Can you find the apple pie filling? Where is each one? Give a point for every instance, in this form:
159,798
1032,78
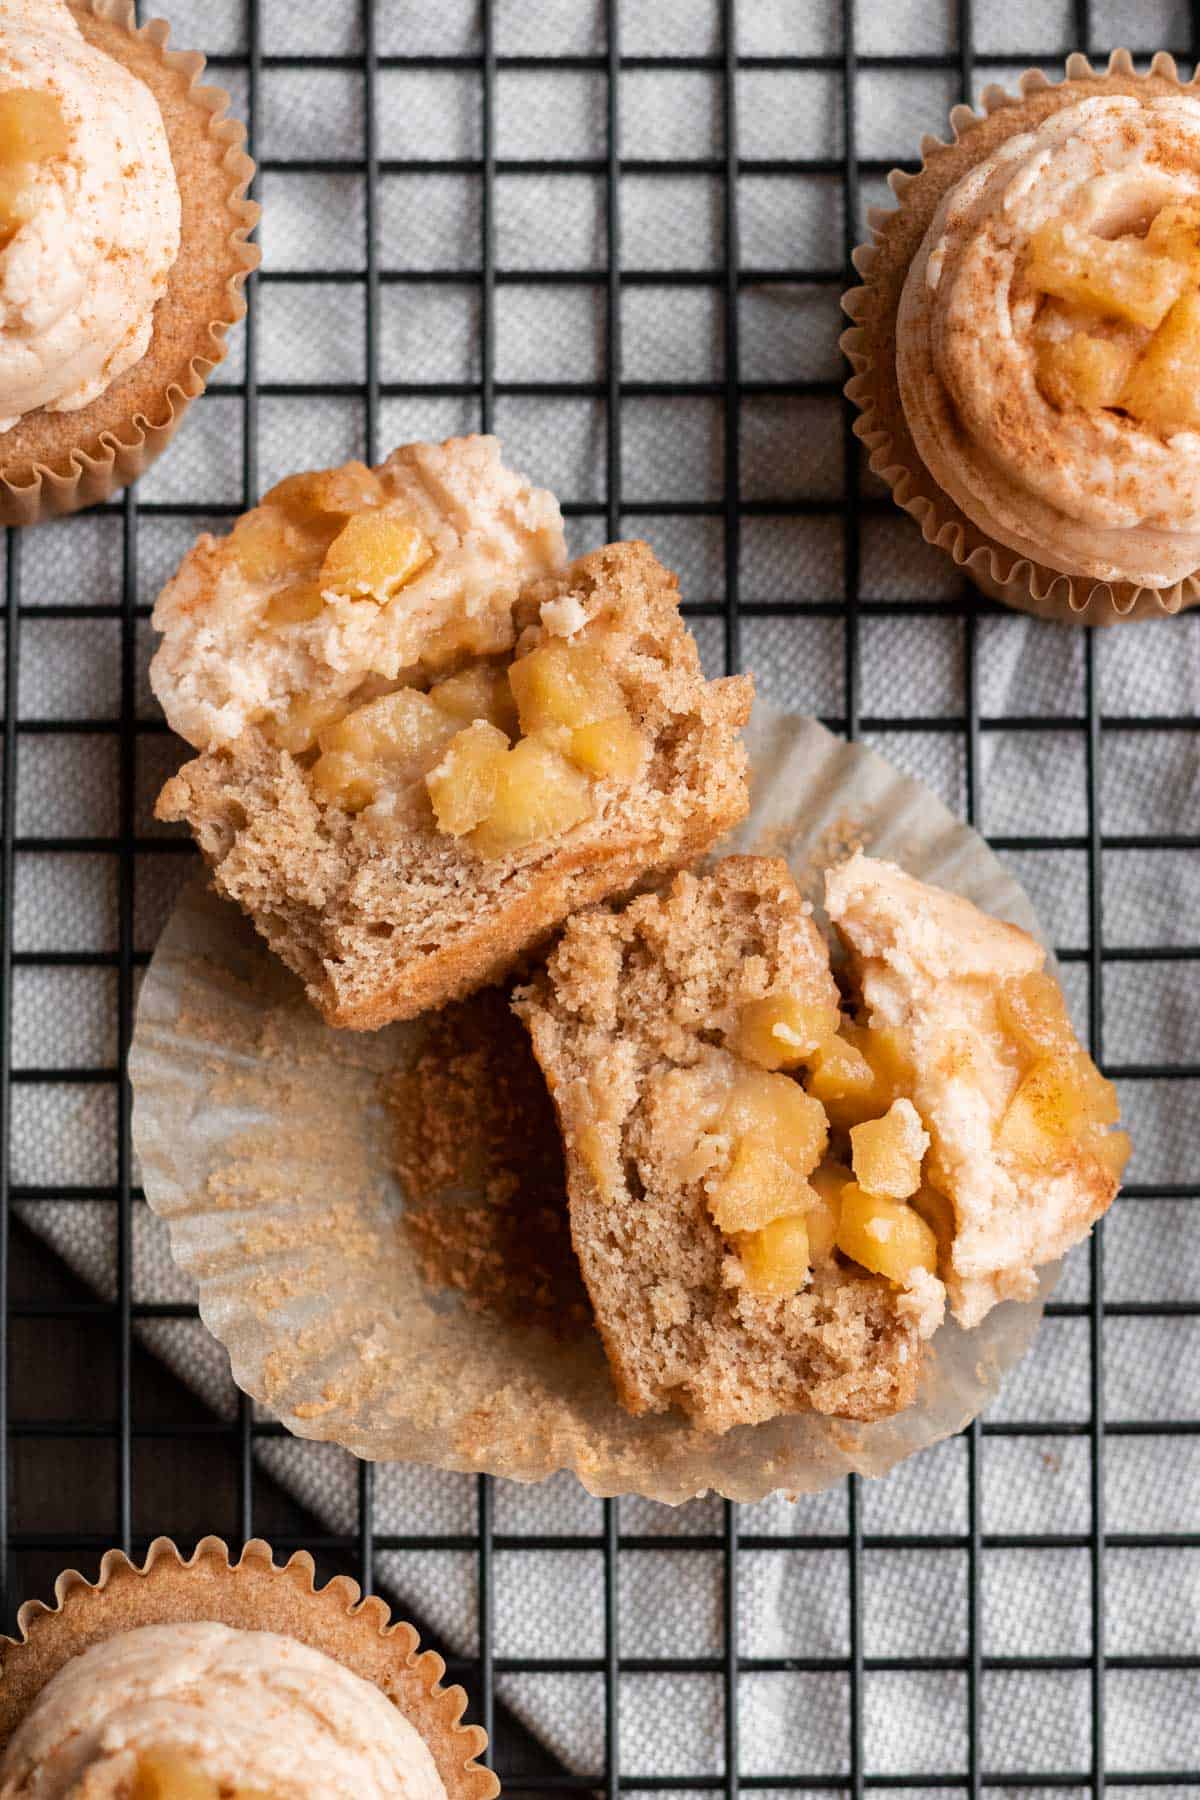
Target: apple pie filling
501,751
1118,325
33,131
810,1147
164,1775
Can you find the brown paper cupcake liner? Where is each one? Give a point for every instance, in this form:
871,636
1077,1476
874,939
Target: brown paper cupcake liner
869,345
255,1594
55,463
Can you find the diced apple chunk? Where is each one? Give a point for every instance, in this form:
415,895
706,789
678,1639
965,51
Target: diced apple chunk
32,131
1175,232
342,780
337,492
844,1082
373,556
267,546
296,730
610,749
825,1209
538,796
480,691
888,1053
1119,277
887,1152
758,1186
1113,1149
564,684
295,604
1058,1100
857,1074
16,202
462,786
777,1108
775,1259
937,1210
1163,390
885,1236
388,743
32,126
164,1775
781,1031
1031,1009
1083,370
401,728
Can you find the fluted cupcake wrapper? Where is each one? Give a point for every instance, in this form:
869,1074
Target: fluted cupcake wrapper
869,345
253,1593
56,463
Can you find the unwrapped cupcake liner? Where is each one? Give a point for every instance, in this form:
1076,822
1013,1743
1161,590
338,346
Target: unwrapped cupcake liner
266,1144
869,345
120,445
253,1593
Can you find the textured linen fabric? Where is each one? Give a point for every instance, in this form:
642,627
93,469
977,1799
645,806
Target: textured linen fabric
1031,782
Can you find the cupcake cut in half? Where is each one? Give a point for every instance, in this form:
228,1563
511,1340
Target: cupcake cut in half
424,741
776,1183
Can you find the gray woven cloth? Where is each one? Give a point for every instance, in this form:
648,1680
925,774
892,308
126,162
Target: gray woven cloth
1035,1602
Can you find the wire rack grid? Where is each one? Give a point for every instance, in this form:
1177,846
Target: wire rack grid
107,1475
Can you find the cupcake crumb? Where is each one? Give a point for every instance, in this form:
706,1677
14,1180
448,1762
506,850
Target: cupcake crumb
477,1150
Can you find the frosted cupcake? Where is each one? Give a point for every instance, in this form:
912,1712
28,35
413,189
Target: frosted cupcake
200,1680
1027,343
123,250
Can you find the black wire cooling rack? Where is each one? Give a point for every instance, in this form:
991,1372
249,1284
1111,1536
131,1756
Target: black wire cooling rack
112,1448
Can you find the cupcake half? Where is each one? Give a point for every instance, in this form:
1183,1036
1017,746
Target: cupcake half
778,1183
123,248
424,741
1026,343
206,1680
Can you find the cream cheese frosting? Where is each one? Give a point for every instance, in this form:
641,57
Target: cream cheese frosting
249,1709
222,665
929,963
1098,493
80,279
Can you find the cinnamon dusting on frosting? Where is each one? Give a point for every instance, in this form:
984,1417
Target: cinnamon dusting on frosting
1061,449
80,278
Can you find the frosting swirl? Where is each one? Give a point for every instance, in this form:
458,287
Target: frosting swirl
249,1709
1093,491
80,279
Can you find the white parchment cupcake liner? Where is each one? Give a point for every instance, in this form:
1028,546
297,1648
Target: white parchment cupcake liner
265,1144
869,346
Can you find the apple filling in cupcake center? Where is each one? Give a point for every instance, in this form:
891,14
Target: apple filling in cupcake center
812,1148
33,132
502,752
1119,326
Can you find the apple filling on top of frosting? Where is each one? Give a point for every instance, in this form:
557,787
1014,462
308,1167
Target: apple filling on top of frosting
1120,324
163,1775
33,131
